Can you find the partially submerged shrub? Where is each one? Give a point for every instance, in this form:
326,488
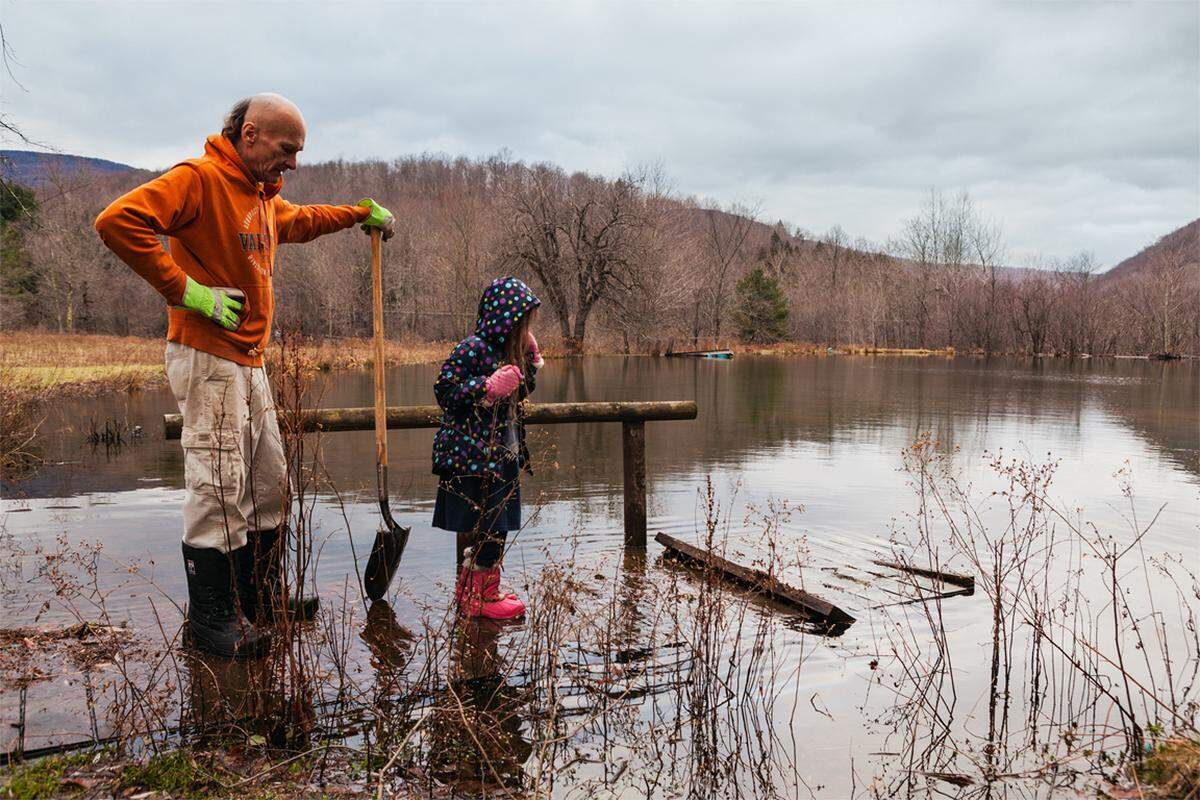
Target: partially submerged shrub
20,417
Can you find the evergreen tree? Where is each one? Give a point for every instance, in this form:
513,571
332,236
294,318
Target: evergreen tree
762,312
16,202
18,279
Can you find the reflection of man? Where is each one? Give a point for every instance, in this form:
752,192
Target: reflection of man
224,218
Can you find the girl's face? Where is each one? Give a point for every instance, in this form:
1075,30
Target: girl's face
529,326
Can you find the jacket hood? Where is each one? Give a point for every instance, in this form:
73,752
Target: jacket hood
502,305
222,151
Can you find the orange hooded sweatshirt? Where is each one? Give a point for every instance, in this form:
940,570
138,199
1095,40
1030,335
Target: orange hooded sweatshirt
223,230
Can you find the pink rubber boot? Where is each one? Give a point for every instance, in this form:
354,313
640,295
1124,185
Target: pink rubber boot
479,595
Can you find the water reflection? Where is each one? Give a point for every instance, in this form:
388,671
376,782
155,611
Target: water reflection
390,642
749,409
824,433
230,699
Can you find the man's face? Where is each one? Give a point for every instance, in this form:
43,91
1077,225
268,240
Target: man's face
269,148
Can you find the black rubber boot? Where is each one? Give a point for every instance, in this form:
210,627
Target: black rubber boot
260,573
214,621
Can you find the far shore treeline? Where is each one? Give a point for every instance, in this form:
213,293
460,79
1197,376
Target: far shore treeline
621,264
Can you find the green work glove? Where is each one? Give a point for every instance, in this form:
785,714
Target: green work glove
380,218
215,304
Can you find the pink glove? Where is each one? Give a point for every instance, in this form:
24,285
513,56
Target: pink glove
503,382
535,354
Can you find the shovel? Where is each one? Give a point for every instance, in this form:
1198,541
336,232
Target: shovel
391,538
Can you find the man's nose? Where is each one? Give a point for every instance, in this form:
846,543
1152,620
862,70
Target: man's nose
290,163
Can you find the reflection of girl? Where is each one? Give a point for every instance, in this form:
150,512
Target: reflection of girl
480,447
478,719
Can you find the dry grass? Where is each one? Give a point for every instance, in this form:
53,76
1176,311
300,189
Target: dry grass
37,362
897,351
1170,769
360,353
54,364
810,349
34,349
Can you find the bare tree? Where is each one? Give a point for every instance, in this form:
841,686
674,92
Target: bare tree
463,248
603,227
779,255
953,253
537,208
985,245
1166,298
7,124
1077,305
724,241
920,243
1032,310
579,236
834,252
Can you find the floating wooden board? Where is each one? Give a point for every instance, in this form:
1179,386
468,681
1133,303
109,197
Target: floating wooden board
965,581
759,581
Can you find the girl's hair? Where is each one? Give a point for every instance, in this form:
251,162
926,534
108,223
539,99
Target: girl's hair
514,347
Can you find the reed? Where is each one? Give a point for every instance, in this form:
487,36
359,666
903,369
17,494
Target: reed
21,416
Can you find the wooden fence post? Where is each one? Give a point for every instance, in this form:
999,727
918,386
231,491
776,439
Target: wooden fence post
633,441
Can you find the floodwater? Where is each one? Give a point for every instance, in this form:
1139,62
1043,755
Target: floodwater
808,450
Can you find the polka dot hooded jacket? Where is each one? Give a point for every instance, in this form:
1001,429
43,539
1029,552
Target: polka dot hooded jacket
471,438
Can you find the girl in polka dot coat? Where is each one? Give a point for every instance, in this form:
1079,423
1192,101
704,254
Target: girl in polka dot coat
479,449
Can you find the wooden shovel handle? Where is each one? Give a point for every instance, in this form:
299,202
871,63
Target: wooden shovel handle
377,322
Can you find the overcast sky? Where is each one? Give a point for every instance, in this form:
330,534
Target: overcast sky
1076,126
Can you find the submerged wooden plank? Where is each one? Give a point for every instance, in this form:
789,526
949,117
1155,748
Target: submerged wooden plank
965,581
759,581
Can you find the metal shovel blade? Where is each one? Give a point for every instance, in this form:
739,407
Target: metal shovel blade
385,560
388,549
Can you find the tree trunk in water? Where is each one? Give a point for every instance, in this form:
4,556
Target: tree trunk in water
564,327
576,338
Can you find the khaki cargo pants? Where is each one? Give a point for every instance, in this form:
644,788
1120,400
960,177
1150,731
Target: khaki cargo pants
234,467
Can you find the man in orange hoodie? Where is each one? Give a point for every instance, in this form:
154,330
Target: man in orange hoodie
224,218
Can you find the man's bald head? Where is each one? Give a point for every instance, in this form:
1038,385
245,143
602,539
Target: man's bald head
267,130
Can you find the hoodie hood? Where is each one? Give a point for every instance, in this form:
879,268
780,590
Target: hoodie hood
502,305
222,151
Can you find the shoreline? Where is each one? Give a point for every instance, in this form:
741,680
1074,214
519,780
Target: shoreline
44,366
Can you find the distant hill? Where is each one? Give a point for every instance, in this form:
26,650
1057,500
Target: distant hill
1187,237
30,168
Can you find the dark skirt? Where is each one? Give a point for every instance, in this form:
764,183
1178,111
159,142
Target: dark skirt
462,507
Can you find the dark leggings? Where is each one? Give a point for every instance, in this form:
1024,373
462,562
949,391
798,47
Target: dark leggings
488,547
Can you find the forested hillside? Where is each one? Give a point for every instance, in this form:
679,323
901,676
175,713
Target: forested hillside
32,168
621,264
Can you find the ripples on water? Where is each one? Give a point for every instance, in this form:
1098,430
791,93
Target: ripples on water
808,448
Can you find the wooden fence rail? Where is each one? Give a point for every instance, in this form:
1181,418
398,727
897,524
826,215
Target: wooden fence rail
632,415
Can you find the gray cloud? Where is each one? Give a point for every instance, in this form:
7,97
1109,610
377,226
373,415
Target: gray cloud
1077,126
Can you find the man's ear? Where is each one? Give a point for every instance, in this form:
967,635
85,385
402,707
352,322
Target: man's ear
249,132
